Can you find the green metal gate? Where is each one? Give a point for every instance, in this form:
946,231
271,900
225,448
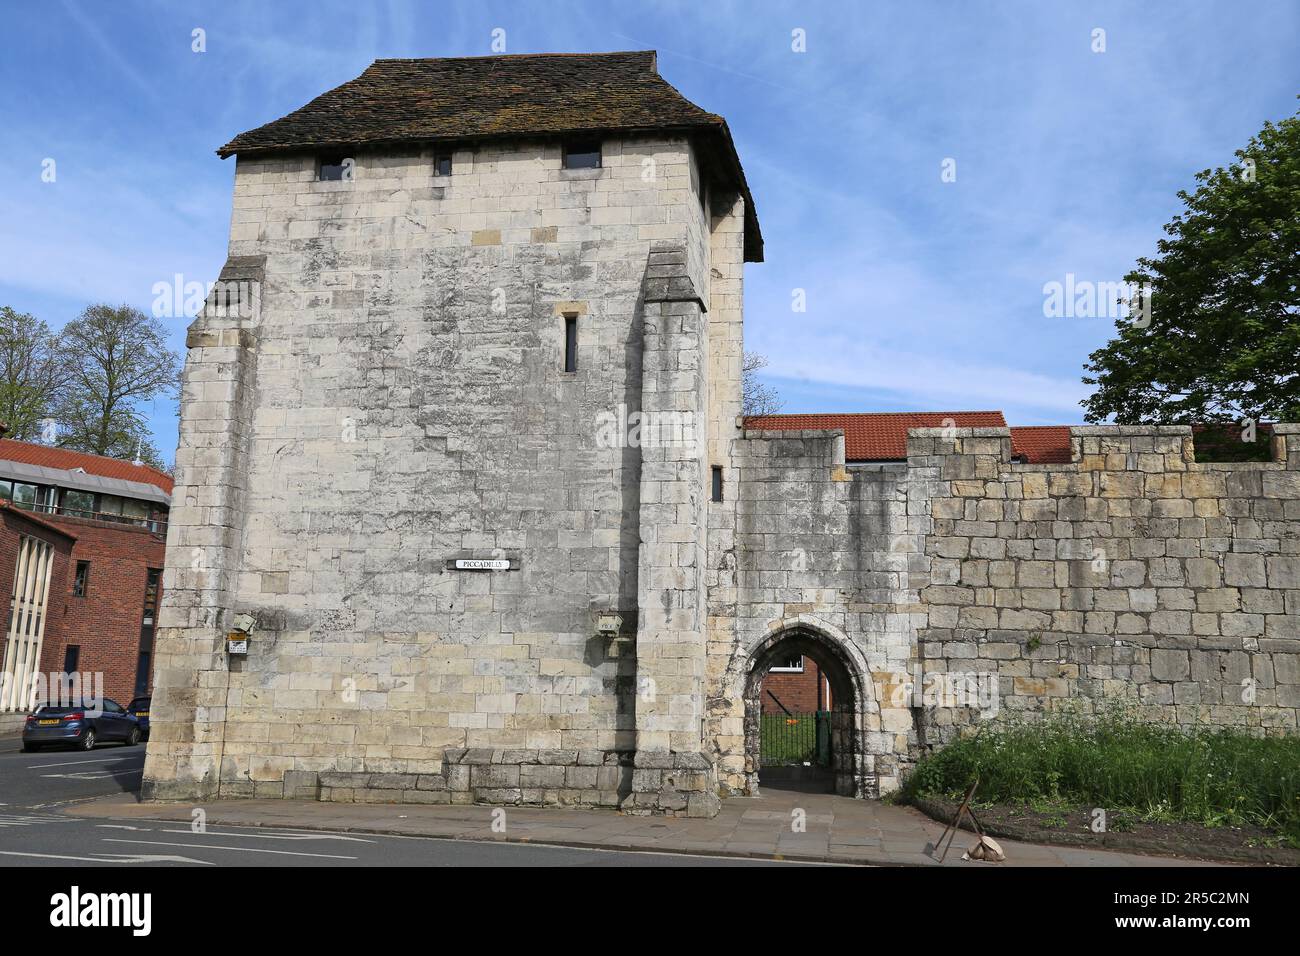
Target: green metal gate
787,740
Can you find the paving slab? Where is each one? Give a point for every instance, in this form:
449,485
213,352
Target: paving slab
838,829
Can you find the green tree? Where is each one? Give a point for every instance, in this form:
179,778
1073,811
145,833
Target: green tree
118,359
1223,339
32,374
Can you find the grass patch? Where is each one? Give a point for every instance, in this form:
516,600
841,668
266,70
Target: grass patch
1155,773
787,739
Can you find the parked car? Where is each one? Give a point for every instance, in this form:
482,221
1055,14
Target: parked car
140,707
80,726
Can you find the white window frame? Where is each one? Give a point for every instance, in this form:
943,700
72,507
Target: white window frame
788,670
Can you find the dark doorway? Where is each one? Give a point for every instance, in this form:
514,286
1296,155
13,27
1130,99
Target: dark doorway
801,716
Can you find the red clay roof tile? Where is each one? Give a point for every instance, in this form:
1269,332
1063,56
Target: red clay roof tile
1042,444
48,457
877,436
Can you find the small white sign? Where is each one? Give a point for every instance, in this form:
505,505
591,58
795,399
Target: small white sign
482,564
237,646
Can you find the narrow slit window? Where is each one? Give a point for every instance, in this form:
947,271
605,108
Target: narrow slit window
582,154
442,164
570,343
717,482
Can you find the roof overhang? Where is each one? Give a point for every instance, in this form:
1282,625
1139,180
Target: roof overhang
80,481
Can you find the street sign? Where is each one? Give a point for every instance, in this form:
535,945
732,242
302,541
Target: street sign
482,564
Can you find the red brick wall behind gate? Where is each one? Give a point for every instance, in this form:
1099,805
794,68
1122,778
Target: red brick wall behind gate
798,692
106,622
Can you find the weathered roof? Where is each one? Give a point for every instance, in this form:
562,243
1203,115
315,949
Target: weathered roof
877,436
62,459
495,97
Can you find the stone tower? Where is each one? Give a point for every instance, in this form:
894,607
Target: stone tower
455,407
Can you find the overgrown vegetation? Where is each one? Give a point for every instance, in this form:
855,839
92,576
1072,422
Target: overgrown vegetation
1115,761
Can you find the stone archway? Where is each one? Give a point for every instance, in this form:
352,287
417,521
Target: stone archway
852,696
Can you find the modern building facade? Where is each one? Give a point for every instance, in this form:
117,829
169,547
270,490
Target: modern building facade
467,510
82,540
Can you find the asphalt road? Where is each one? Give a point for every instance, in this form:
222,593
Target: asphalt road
34,787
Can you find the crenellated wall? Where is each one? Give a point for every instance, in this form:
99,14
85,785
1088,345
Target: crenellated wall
961,585
1132,574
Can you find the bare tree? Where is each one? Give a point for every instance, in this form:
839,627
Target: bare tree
33,373
118,359
756,398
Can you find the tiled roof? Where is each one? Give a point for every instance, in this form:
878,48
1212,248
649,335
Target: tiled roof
1042,444
493,97
62,458
878,436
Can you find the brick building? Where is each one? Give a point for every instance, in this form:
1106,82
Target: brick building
82,540
461,437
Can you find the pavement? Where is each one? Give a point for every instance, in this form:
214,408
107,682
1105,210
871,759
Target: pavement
36,829
835,829
67,806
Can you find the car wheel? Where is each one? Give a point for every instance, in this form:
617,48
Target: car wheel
87,742
31,748
133,737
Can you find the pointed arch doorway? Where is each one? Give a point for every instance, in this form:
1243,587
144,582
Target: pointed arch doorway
791,746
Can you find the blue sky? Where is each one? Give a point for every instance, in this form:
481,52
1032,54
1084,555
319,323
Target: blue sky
921,294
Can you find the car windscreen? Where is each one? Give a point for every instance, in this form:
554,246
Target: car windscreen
51,710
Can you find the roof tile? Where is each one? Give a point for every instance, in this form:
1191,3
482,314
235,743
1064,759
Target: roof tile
1042,444
486,97
48,457
878,436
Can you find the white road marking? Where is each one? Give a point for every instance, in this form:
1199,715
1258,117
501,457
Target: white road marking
59,856
109,857
154,858
123,826
89,774
27,819
70,763
275,836
241,849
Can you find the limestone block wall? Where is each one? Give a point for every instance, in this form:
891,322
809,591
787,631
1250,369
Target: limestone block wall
820,552
399,402
1132,574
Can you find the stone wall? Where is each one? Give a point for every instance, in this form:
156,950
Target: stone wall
1132,575
825,551
397,401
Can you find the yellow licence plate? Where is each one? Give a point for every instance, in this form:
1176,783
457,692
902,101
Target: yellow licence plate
142,713
48,723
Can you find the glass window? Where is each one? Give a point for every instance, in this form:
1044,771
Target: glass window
110,505
24,495
583,154
6,490
80,503
81,580
793,664
135,509
442,164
